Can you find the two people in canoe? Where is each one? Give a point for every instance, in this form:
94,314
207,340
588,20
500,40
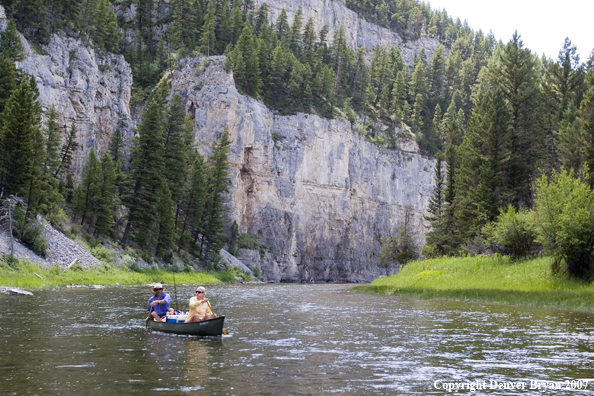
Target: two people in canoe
200,307
158,305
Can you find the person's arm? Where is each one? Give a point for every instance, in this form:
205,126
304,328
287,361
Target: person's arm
194,302
167,301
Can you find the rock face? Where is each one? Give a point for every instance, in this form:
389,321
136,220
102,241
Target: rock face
318,194
85,87
358,32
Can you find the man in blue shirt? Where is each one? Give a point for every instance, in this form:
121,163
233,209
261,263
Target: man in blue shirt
158,305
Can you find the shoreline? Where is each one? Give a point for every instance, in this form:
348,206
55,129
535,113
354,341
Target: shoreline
497,279
27,276
32,277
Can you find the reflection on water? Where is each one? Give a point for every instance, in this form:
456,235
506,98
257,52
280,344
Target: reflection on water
285,340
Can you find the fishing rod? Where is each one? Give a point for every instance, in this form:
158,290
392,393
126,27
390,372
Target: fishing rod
175,291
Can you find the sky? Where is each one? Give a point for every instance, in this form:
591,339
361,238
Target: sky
542,24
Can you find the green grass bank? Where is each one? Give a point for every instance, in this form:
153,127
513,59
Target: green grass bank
25,275
488,279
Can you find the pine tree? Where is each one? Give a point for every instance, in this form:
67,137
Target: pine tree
144,24
568,140
361,81
181,30
146,175
564,81
46,197
245,63
10,44
396,60
72,10
516,77
437,124
191,226
280,68
248,5
450,115
116,151
342,58
107,198
176,148
105,31
399,96
587,135
68,148
238,22
87,195
418,82
450,238
208,38
453,66
418,113
8,81
296,86
483,179
295,36
261,19
68,189
52,142
435,209
282,27
224,33
116,147
309,40
17,141
39,189
165,222
215,206
437,75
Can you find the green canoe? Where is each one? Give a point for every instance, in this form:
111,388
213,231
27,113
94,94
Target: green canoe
212,327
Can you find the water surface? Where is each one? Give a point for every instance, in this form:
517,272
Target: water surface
286,340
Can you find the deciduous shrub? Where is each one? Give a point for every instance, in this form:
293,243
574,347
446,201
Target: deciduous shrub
513,232
29,231
400,249
102,253
564,218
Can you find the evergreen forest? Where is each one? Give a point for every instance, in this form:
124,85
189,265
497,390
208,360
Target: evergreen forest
507,126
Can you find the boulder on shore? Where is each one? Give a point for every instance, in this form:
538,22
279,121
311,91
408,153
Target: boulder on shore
14,291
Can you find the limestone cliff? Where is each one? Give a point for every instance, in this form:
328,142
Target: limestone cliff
318,194
85,87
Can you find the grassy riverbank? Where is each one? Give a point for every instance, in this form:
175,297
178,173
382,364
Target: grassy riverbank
25,275
488,279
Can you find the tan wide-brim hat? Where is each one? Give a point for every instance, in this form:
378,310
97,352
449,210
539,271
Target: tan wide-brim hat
157,286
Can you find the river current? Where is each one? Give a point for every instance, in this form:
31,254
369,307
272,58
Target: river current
291,340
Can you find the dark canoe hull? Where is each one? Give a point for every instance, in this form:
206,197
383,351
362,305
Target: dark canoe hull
212,327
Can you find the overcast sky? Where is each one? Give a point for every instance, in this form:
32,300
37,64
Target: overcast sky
543,24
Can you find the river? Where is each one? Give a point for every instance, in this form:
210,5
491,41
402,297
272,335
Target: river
290,339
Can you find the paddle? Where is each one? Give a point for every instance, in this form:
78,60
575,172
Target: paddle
224,331
148,317
149,314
